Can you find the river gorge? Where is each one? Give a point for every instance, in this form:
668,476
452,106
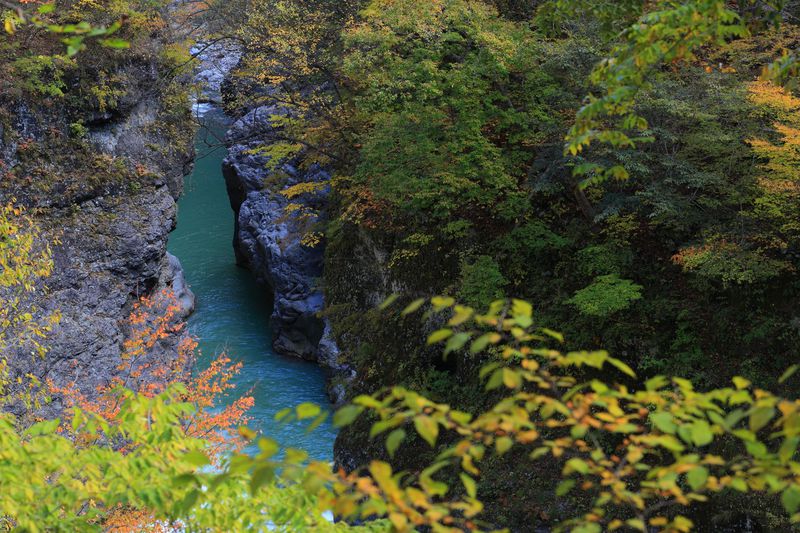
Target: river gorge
232,310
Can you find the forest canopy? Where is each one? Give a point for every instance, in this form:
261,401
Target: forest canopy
604,195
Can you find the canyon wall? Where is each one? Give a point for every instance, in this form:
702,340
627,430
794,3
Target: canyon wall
101,179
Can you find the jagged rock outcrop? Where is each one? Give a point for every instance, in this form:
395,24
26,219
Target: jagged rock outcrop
111,251
268,236
216,60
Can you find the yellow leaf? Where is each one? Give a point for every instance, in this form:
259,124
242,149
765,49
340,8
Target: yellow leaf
427,428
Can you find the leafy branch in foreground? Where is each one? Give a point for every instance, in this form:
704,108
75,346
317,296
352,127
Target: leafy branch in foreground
75,34
667,32
641,452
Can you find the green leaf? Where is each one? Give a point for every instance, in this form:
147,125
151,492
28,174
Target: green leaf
439,336
756,449
539,452
394,440
456,342
347,415
317,422
388,302
791,499
413,306
294,456
384,425
697,477
261,477
479,344
564,487
741,383
427,428
307,410
247,433
511,378
440,303
366,400
576,465
503,444
739,484
669,442
196,458
656,383
521,308
664,422
469,485
115,43
461,314
267,448
788,448
701,433
622,366
760,417
495,380
553,334
789,373
189,500
48,427
636,524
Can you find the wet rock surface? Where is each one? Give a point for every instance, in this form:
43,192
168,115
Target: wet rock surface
269,238
111,251
216,60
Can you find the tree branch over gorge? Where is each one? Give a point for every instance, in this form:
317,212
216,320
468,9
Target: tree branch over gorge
47,17
662,237
666,32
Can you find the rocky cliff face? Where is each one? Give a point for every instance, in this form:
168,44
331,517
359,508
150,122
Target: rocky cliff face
267,239
216,62
269,233
106,196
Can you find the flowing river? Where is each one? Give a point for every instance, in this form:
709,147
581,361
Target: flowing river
232,314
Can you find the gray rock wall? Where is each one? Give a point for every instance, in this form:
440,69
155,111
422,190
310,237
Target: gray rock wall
267,237
268,240
111,238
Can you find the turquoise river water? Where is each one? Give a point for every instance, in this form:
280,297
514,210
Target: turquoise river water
233,311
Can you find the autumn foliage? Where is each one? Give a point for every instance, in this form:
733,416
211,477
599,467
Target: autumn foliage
146,368
150,368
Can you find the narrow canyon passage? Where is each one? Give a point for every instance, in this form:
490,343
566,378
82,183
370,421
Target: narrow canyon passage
233,311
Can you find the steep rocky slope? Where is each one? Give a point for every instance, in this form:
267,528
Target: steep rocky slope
101,181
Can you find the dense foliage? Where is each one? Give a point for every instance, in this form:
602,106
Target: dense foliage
630,168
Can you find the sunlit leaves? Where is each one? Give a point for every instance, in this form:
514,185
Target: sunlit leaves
669,428
791,499
666,32
75,35
427,428
666,432
788,373
664,422
394,440
346,415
